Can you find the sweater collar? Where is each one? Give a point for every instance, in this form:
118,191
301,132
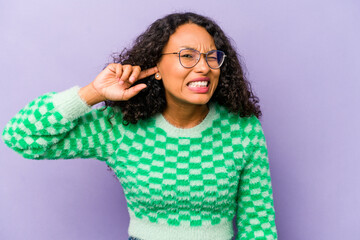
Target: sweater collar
195,131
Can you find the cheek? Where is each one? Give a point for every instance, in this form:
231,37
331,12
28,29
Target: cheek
217,78
173,74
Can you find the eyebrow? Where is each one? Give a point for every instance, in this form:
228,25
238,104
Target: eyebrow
187,47
183,47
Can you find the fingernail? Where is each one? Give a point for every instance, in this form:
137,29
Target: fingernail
132,78
121,82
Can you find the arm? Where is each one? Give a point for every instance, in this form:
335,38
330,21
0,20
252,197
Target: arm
255,214
61,126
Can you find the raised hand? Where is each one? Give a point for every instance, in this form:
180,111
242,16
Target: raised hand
114,83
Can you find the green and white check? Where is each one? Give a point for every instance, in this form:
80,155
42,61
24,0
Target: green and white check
179,183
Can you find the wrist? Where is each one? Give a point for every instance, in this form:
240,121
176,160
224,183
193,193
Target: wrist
90,95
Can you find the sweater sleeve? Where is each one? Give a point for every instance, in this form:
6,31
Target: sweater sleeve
61,126
255,212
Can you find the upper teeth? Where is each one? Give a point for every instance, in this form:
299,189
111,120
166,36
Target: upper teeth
198,84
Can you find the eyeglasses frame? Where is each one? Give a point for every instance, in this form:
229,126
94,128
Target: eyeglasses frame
200,53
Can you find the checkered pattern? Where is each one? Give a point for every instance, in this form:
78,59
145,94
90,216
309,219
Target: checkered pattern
179,181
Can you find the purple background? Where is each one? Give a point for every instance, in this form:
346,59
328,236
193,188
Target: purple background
302,58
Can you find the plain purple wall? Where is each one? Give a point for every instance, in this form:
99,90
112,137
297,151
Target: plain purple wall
302,58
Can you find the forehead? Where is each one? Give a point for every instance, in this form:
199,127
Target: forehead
190,35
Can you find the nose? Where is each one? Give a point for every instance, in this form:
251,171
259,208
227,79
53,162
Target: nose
202,66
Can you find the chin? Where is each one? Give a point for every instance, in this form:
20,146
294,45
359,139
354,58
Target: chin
200,100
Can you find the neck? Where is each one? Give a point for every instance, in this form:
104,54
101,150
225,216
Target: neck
185,116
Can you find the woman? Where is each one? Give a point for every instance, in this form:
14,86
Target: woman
180,130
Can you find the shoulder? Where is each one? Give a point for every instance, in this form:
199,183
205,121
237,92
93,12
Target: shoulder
247,128
234,118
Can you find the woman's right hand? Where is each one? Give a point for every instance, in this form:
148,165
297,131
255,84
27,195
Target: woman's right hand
114,82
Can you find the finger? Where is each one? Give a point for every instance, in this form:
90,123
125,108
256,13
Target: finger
111,67
135,73
131,92
148,72
126,73
119,71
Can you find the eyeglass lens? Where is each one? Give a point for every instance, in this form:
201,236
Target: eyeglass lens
190,57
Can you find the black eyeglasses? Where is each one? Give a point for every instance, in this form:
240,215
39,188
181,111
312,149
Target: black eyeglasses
190,57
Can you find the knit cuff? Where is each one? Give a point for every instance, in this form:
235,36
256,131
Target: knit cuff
69,103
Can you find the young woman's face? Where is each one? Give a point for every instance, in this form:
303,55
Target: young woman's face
184,86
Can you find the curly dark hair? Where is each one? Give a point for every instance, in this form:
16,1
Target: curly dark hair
233,90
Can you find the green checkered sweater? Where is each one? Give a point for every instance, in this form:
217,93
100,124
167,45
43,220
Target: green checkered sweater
179,183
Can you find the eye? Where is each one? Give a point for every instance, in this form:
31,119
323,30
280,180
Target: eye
211,58
187,55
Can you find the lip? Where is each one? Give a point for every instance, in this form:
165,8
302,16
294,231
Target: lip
199,89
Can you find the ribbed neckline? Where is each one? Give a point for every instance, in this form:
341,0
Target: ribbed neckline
195,131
